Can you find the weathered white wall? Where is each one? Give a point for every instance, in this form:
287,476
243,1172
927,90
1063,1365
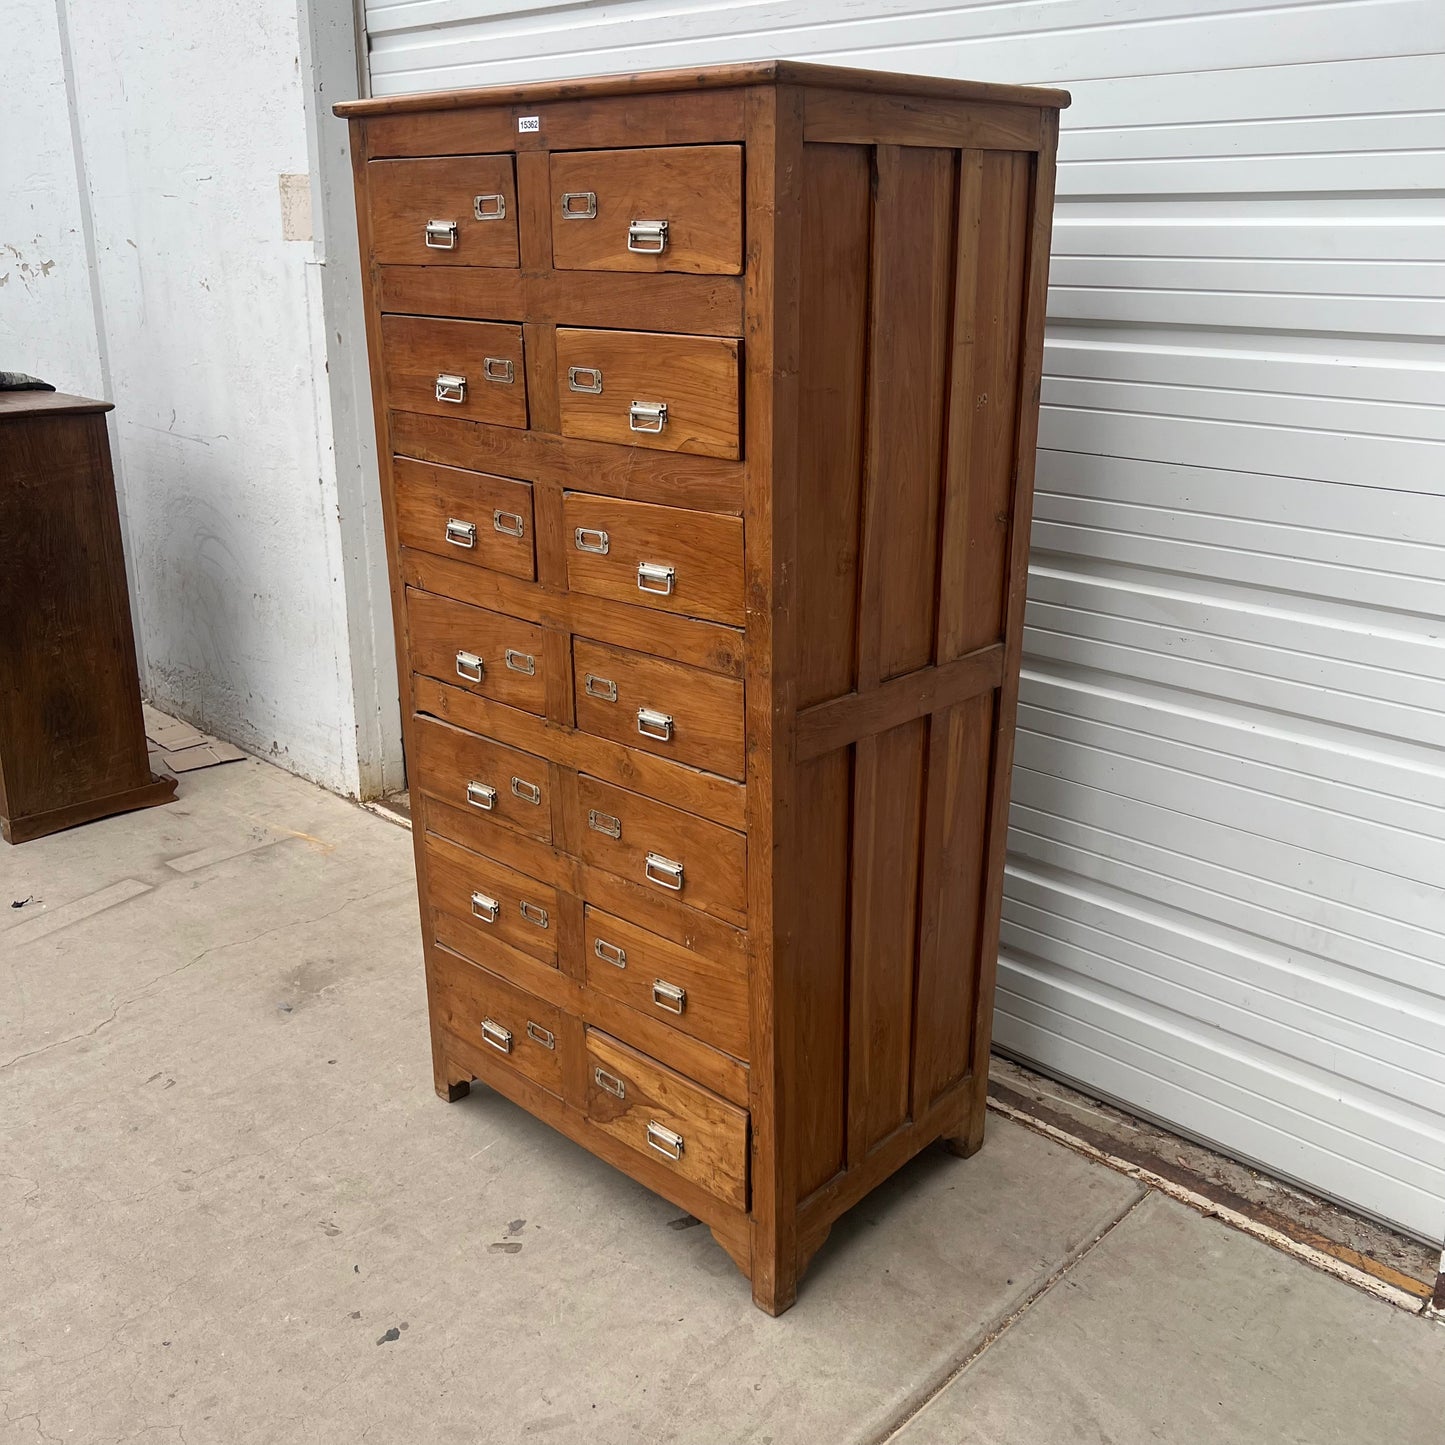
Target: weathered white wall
201,316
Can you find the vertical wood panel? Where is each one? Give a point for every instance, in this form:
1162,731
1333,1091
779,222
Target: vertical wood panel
950,897
914,215
833,319
993,217
818,1066
888,796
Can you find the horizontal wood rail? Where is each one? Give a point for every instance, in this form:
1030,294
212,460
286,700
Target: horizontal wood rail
842,720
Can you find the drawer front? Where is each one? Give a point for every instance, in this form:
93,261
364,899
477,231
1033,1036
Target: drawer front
499,1018
662,707
664,980
650,389
497,902
676,561
469,515
667,1117
488,781
675,208
448,211
678,854
487,653
471,369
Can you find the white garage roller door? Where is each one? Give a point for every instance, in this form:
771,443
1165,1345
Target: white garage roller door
1226,893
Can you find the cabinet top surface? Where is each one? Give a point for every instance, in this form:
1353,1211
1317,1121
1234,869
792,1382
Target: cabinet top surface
711,77
15,404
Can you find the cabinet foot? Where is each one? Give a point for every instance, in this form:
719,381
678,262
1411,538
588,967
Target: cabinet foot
967,1141
452,1091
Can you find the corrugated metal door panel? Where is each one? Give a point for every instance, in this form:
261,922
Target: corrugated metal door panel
1225,904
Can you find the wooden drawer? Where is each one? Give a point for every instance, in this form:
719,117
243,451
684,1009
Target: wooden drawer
487,780
487,653
499,904
443,211
665,1116
673,208
476,365
663,707
664,980
677,854
471,515
650,389
663,557
499,1018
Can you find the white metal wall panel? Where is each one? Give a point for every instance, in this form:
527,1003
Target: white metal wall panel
1226,894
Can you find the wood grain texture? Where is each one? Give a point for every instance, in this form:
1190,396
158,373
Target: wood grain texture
694,377
838,638
447,635
619,690
705,554
521,1024
405,195
712,859
713,1151
629,963
696,190
457,874
72,742
698,305
497,510
448,760
417,351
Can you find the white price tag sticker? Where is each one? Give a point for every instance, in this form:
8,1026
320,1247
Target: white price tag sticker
527,123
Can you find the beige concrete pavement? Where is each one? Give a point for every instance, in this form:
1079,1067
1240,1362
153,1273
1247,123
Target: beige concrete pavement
232,1209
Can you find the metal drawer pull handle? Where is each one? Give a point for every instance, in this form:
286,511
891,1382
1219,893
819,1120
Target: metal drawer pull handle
508,523
585,378
656,577
485,908
451,388
669,996
441,235
590,539
579,205
461,534
664,871
521,662
499,369
654,724
610,1082
542,1036
648,416
480,795
533,913
499,1038
489,208
601,687
610,953
470,666
527,792
647,237
604,823
664,1140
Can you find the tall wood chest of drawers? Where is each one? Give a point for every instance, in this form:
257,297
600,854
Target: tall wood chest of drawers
708,402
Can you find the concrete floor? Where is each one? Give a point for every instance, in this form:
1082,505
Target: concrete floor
232,1210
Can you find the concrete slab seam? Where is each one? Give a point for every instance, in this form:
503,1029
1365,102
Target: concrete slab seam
1326,1263
990,1336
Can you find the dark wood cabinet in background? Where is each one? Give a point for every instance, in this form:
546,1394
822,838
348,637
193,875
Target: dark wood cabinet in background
72,740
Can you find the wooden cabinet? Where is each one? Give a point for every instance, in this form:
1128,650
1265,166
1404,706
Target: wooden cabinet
72,740
709,589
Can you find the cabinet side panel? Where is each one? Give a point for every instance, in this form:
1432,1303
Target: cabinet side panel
833,313
983,403
914,219
951,896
